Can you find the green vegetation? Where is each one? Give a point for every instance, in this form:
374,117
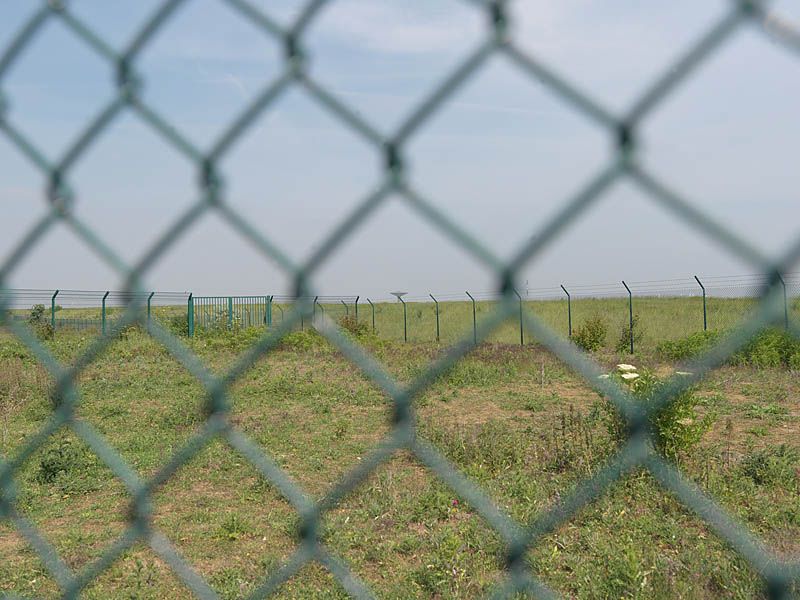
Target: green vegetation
677,428
514,420
591,336
773,348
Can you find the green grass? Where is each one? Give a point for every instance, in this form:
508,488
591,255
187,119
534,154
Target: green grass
516,421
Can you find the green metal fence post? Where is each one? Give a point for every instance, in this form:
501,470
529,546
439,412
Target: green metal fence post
149,299
569,310
705,311
53,310
405,320
521,334
314,309
346,308
230,313
474,320
436,302
785,304
630,313
373,314
190,315
103,313
356,305
269,311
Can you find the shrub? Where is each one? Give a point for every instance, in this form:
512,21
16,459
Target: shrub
769,349
39,322
178,325
303,341
591,335
66,465
624,340
353,326
690,346
677,428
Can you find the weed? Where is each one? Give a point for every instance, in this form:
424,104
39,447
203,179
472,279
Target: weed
624,340
688,347
233,527
39,322
677,427
772,466
591,335
354,327
67,466
772,348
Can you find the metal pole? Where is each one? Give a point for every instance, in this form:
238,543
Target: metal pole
53,311
230,313
346,308
103,313
630,313
569,310
785,304
314,310
356,304
474,320
705,311
436,302
149,298
373,314
405,321
190,316
521,335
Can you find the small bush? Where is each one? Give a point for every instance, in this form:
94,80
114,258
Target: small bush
677,428
624,340
303,341
353,326
591,335
771,348
178,325
39,322
66,465
688,347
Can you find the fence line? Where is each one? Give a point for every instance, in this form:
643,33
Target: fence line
243,311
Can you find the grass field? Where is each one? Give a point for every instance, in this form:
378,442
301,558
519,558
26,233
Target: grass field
515,420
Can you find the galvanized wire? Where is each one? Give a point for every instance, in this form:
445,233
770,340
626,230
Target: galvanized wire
623,129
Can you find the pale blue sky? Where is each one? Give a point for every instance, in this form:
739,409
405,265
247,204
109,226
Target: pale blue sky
500,156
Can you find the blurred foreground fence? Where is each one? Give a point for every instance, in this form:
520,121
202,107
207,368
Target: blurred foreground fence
650,311
393,148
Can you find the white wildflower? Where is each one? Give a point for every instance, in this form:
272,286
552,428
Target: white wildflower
629,376
604,376
626,368
684,373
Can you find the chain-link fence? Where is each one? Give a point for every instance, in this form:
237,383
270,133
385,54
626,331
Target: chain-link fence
624,129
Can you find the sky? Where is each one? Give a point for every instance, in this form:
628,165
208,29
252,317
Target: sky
500,157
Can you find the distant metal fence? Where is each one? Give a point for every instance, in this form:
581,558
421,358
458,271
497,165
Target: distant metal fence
623,129
660,309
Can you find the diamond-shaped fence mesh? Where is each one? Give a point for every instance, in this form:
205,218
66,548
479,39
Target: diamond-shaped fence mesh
623,129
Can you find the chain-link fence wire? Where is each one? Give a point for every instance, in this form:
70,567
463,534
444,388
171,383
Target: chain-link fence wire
624,129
